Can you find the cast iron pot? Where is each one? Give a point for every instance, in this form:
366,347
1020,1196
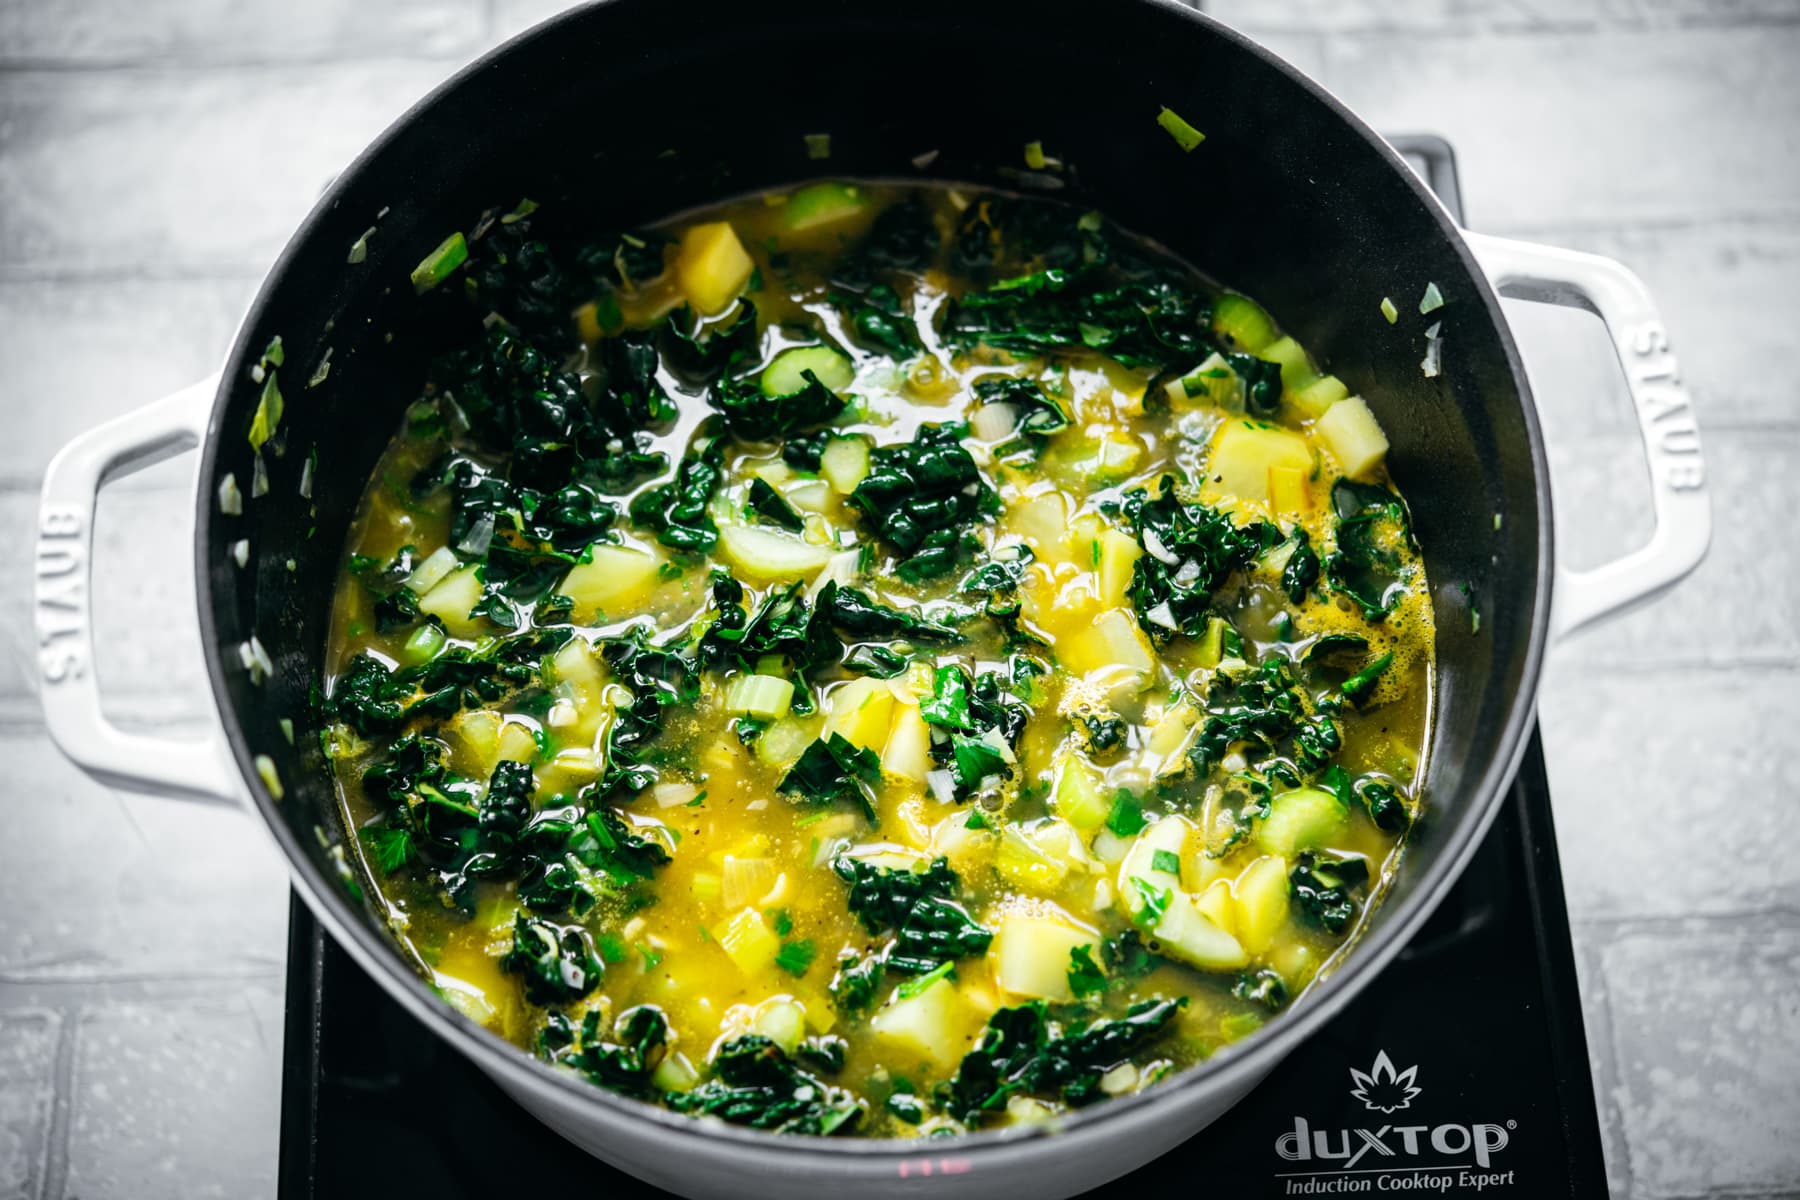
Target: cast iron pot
1291,198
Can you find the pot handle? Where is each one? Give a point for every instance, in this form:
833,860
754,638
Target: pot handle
1550,275
192,770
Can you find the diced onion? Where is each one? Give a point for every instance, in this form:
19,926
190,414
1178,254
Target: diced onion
673,795
1432,300
745,881
994,422
1154,544
475,542
240,551
231,500
1162,615
265,767
306,478
259,478
943,787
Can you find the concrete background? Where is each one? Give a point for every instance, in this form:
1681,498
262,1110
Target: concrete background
154,154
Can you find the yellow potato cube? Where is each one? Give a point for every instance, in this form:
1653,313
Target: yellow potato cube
936,1024
1263,900
712,266
615,582
1030,955
1242,456
1287,490
451,601
907,752
748,942
1119,552
862,711
1350,431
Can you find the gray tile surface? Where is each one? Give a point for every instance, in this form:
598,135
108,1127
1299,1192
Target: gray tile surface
154,156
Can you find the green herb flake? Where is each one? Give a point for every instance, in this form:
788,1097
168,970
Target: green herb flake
1034,155
796,957
1085,976
1389,311
1185,135
1165,860
818,145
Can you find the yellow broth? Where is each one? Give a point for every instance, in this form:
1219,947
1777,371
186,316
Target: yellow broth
1110,860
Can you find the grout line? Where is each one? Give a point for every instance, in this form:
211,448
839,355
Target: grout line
1604,1068
1633,926
55,1183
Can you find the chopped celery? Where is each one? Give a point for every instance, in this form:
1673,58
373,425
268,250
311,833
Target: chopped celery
1185,135
1243,321
437,266
786,374
767,697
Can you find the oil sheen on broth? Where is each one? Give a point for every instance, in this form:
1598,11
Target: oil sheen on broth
873,660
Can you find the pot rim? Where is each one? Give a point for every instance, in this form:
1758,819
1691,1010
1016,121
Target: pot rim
1238,1066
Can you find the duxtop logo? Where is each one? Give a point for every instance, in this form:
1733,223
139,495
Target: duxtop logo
1394,1157
1383,1089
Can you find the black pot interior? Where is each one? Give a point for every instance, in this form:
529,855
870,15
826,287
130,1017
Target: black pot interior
625,112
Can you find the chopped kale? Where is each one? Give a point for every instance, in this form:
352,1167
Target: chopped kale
1322,885
1023,1052
1266,710
751,415
756,1084
1262,383
832,769
858,978
658,679
677,510
1085,976
773,507
701,352
557,962
1190,551
1302,569
1264,987
1039,414
625,1064
856,613
930,927
783,624
921,497
1359,685
1366,566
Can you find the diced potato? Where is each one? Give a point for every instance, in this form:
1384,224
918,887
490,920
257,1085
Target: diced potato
1287,490
474,737
1043,522
1030,955
426,575
516,742
1243,455
782,1021
1216,904
862,711
845,463
712,266
907,752
1119,552
451,601
1167,836
1262,903
576,664
1166,748
1025,864
615,582
1352,435
1186,934
568,771
748,942
935,1024
767,557
1113,643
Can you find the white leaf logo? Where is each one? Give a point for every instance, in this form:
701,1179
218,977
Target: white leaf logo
1382,1088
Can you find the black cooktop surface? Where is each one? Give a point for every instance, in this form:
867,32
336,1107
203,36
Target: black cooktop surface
1461,1071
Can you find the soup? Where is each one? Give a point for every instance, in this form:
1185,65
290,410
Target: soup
873,659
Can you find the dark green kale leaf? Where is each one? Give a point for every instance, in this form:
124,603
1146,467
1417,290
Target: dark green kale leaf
1322,885
878,661
1079,289
659,679
1377,796
557,962
858,978
514,274
1264,987
1190,551
1302,569
1022,1052
855,612
1358,686
371,698
754,416
773,507
921,497
623,262
396,610
1363,567
803,451
625,1064
1085,976
930,928
756,1084
1262,383
783,624
1266,710
1040,415
676,510
832,769
702,352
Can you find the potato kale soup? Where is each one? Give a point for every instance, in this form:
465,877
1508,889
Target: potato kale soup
873,659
